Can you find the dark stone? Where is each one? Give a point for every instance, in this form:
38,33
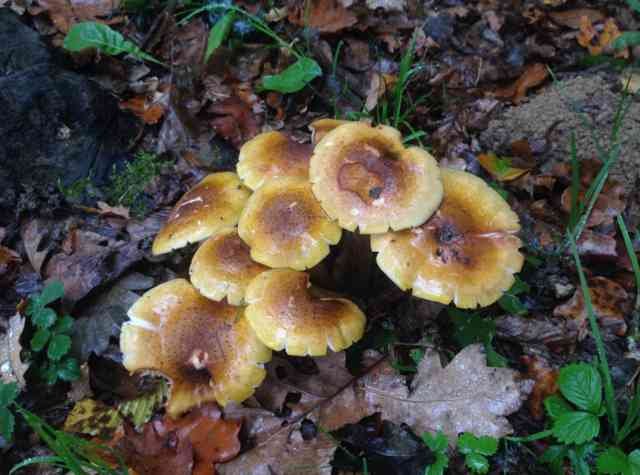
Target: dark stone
57,124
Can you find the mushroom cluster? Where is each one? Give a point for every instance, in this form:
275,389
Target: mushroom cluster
444,234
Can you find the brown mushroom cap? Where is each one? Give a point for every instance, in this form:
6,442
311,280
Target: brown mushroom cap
213,204
285,226
466,253
365,178
222,267
207,349
272,155
321,127
286,314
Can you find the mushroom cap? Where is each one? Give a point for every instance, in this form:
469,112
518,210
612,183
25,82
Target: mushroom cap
213,204
222,267
272,155
207,349
285,314
321,127
365,178
466,253
285,226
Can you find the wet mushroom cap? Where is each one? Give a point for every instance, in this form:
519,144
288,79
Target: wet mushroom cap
321,127
365,178
222,267
272,155
213,204
286,314
466,253
285,226
207,349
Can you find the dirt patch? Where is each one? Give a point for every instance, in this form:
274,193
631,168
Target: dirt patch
598,96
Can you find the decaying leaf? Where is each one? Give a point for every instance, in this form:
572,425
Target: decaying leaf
545,378
464,396
501,168
236,121
12,369
9,263
285,453
534,75
610,301
573,18
149,111
600,42
65,13
327,16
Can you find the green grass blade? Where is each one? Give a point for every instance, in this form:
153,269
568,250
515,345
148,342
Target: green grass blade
632,257
610,402
47,459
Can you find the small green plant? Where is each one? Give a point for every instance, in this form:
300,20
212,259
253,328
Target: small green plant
470,328
76,191
72,454
90,34
475,450
51,342
292,79
629,38
127,185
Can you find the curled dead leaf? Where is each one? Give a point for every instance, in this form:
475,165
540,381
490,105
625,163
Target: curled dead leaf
545,378
573,18
533,75
327,16
12,369
65,13
149,112
610,301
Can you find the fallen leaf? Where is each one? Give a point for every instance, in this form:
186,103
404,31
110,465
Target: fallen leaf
118,211
65,13
545,378
12,369
611,303
573,18
35,234
327,16
464,396
9,263
534,75
501,168
553,332
149,112
597,245
236,121
285,453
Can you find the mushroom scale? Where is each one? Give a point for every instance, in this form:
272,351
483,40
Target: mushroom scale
285,226
272,155
222,267
466,253
213,204
365,178
207,349
286,314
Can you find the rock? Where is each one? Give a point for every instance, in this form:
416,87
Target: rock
56,123
597,96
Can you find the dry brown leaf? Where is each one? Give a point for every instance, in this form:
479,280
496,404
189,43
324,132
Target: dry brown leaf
545,385
610,301
464,396
327,16
33,233
9,263
119,211
285,453
65,13
573,18
149,112
236,121
534,75
12,369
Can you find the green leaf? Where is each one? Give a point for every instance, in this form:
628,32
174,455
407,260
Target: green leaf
44,317
437,443
612,461
438,467
89,34
219,33
576,427
477,463
512,304
519,287
554,453
63,325
470,327
68,369
581,384
58,346
634,4
40,339
49,373
634,462
416,355
628,38
8,393
485,445
294,78
51,292
7,423
556,406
